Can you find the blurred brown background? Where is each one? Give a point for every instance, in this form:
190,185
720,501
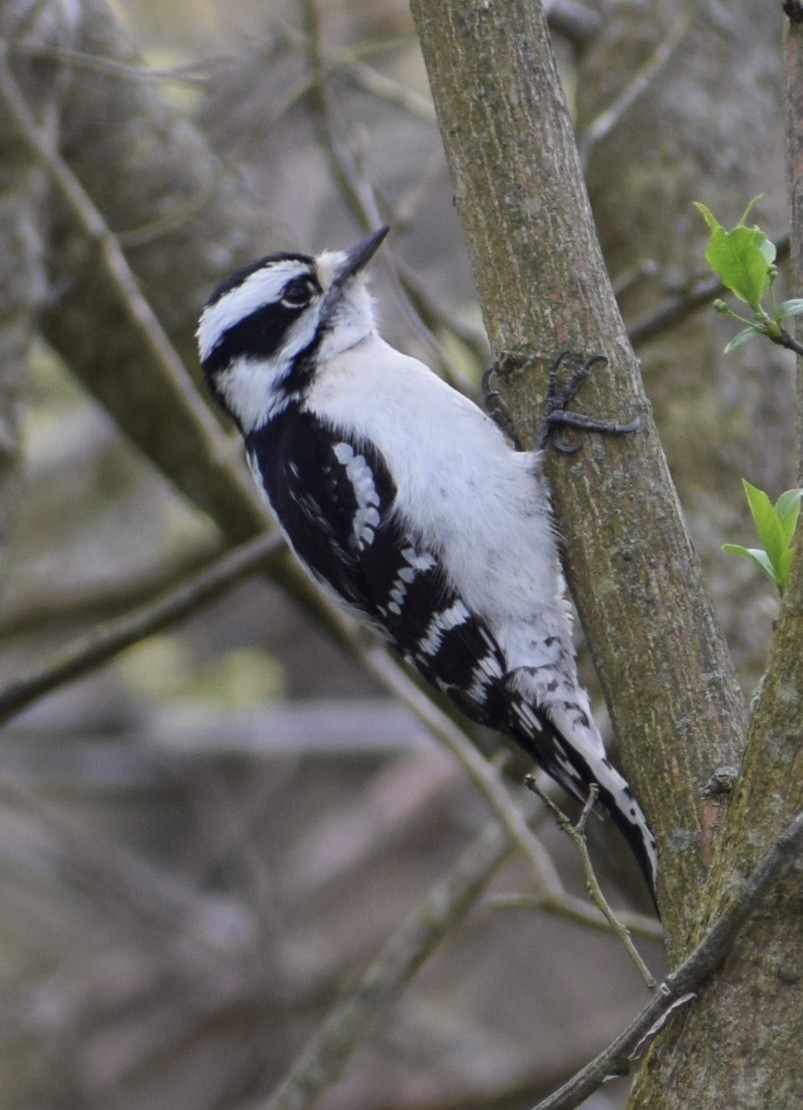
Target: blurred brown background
202,843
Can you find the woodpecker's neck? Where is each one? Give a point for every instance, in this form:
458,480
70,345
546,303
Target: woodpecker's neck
254,391
351,320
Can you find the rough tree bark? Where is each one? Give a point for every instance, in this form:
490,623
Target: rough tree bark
543,287
661,658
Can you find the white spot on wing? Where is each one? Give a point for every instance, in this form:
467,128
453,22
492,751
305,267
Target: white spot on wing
426,561
441,623
406,575
486,670
366,494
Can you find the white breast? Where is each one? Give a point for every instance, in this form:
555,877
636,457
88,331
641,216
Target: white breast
481,506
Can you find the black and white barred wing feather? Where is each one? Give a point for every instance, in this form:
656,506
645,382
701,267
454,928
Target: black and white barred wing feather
335,500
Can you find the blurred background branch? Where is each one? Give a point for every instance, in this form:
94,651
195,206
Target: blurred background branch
207,842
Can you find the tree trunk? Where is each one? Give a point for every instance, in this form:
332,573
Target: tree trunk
543,287
662,661
740,1046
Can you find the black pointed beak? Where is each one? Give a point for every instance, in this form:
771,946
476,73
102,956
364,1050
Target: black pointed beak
358,257
354,260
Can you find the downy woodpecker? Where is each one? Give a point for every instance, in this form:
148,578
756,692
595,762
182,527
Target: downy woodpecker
405,502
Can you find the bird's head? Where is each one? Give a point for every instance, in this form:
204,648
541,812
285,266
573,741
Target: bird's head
267,327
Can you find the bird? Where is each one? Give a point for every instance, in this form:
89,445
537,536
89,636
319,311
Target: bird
410,508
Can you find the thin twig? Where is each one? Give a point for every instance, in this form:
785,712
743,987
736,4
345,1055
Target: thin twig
790,343
672,310
577,832
106,640
683,984
570,908
349,63
635,88
391,92
190,74
327,1052
552,897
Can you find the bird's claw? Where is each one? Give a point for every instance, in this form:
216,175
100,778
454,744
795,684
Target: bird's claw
554,414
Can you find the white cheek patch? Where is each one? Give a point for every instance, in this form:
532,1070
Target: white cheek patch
300,335
249,387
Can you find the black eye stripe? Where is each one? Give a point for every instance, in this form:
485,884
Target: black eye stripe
260,335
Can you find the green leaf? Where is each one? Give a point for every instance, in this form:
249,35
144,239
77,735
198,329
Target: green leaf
775,525
768,526
738,256
708,215
743,257
742,337
768,252
735,549
757,556
787,510
750,206
789,308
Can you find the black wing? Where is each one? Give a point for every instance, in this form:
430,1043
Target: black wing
334,499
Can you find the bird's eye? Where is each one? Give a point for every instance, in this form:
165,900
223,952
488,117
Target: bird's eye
297,293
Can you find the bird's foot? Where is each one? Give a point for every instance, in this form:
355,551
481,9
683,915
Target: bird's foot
554,414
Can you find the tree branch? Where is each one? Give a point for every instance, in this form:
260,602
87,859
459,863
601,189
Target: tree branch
543,287
213,444
107,640
682,985
330,1047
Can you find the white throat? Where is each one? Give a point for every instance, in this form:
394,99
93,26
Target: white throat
352,321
